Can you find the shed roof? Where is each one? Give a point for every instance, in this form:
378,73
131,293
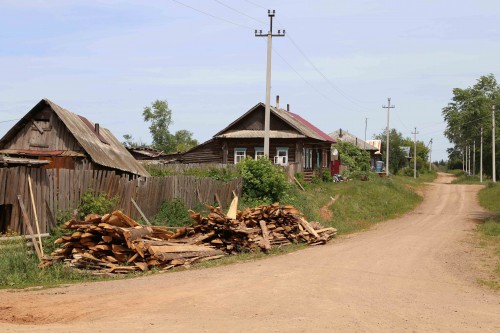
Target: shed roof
304,128
103,149
342,135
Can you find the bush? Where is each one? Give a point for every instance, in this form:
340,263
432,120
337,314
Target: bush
408,172
172,213
100,204
262,181
356,158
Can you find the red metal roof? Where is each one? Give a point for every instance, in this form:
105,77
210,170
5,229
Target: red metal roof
312,127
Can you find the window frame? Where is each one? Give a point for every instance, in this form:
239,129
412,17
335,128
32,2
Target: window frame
258,151
239,157
278,159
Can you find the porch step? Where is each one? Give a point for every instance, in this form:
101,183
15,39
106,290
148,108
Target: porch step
308,176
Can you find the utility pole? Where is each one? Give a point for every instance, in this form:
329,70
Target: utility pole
388,107
494,168
415,153
474,159
267,116
463,160
430,155
468,160
481,158
366,126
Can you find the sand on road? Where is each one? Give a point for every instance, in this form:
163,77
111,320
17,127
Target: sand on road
414,273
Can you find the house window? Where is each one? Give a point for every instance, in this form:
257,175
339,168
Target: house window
308,158
239,154
325,158
259,152
281,156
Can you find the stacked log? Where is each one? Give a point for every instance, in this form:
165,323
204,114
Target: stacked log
115,243
262,227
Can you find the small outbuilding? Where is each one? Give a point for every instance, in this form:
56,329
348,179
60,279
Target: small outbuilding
49,136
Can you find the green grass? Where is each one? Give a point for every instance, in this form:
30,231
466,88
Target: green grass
489,198
19,269
360,205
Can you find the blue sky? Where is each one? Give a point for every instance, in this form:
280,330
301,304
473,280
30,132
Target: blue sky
337,65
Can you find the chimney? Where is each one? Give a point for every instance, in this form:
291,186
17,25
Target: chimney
340,133
97,128
288,107
277,101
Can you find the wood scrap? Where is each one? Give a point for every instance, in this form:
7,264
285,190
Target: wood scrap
116,244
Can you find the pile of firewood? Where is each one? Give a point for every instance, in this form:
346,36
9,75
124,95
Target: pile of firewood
115,243
263,227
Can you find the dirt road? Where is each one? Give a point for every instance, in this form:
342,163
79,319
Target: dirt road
414,273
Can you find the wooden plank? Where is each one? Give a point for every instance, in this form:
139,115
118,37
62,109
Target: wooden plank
37,126
140,212
33,204
28,226
233,208
178,248
308,227
266,245
298,183
3,184
218,200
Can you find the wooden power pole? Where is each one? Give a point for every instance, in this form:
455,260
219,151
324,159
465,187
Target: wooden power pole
267,116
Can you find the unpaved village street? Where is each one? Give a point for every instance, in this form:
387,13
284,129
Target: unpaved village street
416,273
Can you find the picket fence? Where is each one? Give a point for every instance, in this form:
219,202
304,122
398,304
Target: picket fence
58,190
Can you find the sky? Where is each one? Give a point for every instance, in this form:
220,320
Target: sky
337,65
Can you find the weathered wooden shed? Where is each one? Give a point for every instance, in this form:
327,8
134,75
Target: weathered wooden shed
293,140
65,140
345,136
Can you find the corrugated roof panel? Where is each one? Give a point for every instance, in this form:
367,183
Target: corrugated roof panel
112,155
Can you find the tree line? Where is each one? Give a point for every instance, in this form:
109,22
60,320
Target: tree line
470,110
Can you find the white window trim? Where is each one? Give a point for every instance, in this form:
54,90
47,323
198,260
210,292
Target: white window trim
259,150
241,157
281,160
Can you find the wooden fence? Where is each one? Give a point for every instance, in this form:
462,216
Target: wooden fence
61,190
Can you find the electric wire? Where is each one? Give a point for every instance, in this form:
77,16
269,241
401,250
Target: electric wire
211,15
238,11
6,121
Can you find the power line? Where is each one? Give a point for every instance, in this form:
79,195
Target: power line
6,121
256,4
211,15
293,42
337,89
238,11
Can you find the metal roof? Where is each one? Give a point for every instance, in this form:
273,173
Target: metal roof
342,135
260,134
302,126
104,149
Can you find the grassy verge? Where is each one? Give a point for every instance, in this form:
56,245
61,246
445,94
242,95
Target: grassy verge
18,269
360,205
489,198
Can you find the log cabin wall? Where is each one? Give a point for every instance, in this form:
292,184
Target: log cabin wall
252,144
208,152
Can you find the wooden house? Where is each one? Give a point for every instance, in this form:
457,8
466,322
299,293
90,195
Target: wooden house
293,141
345,136
49,136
